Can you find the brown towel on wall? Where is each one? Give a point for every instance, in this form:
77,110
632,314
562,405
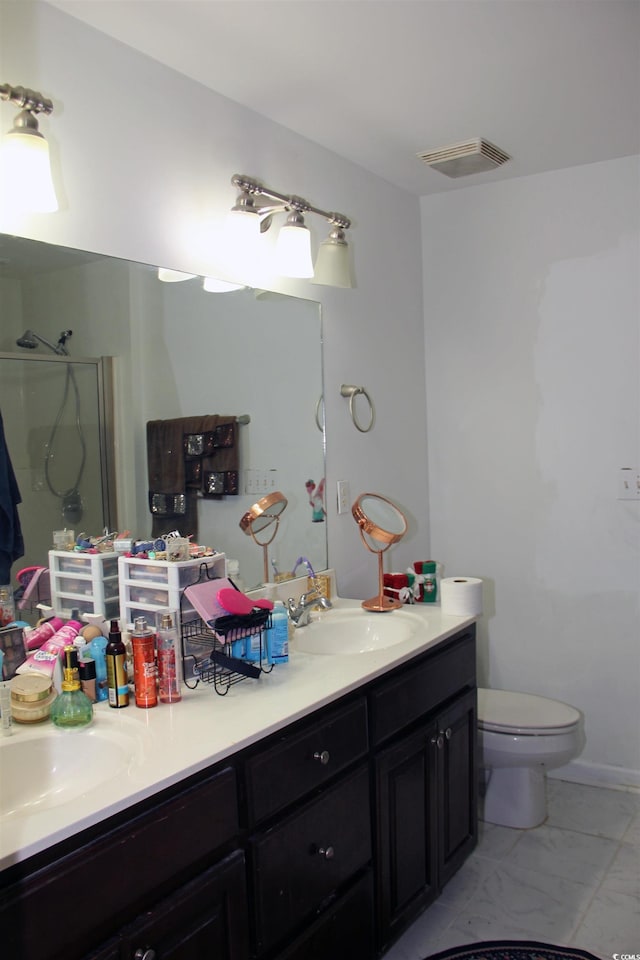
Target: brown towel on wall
186,457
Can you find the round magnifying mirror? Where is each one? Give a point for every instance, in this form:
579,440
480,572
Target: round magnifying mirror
381,525
262,515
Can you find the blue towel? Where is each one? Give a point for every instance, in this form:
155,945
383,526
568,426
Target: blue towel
11,540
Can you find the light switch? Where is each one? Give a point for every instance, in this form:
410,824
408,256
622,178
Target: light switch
343,496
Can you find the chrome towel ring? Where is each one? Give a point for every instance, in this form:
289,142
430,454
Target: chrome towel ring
352,392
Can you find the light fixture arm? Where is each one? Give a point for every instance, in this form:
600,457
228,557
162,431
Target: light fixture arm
26,99
254,188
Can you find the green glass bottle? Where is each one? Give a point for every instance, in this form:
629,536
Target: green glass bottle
71,708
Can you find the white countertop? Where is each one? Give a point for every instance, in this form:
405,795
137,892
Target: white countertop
171,742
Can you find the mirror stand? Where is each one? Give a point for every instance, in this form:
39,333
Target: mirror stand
381,524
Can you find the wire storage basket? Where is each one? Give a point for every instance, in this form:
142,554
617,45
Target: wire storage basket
223,651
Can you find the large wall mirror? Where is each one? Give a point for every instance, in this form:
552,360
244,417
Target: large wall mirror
178,351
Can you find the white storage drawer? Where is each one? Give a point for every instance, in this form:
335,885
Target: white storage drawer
87,582
146,586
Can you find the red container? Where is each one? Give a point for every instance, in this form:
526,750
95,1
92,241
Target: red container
145,671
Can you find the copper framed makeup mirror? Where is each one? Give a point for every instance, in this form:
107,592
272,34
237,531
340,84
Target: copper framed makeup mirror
381,524
264,518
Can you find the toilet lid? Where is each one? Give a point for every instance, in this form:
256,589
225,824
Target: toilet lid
523,713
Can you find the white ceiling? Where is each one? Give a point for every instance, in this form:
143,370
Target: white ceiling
554,83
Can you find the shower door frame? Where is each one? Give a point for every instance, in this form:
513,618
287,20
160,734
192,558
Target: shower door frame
106,420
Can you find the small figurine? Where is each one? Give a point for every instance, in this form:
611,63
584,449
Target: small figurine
316,500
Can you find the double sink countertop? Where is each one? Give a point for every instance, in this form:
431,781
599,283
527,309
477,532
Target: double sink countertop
148,750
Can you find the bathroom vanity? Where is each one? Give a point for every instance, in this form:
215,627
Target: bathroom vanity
311,814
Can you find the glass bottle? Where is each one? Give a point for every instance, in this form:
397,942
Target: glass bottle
71,708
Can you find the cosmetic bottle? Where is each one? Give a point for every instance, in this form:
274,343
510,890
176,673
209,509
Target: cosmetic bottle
279,634
34,638
143,642
169,660
115,655
97,648
71,708
87,671
7,606
430,585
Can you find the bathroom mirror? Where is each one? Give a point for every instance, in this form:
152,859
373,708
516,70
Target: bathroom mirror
178,351
261,523
381,524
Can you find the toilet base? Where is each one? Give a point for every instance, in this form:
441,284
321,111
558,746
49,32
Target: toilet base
515,797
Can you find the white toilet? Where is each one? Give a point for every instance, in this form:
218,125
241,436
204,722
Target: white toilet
521,737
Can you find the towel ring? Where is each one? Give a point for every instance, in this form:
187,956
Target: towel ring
320,414
352,392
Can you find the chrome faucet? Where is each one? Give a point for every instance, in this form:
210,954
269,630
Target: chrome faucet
300,610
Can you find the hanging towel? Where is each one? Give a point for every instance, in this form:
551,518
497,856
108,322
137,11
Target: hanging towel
186,458
11,540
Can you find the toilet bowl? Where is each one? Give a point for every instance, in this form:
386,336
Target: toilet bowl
521,736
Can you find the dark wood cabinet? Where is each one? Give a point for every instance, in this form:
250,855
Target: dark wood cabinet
325,839
205,919
406,814
425,793
301,862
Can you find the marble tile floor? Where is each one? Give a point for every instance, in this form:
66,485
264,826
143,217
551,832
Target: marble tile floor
575,881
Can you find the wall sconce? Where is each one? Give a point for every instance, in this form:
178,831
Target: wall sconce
26,170
248,220
173,276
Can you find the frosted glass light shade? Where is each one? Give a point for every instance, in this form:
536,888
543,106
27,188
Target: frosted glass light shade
243,226
293,251
333,267
214,285
173,276
26,173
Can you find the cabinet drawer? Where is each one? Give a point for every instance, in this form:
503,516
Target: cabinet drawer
131,860
343,932
207,917
299,863
301,761
413,693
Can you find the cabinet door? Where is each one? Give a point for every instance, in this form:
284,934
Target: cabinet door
457,785
299,864
205,919
406,809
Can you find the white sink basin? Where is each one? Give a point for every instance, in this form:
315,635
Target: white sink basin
50,768
355,631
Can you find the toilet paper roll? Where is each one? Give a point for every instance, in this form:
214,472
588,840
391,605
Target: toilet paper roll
461,596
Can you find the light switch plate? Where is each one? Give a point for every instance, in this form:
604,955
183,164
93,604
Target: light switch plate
628,483
343,496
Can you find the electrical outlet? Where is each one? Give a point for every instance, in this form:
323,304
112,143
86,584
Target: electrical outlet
628,483
343,496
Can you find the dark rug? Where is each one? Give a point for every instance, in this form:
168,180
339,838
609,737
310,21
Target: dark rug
512,950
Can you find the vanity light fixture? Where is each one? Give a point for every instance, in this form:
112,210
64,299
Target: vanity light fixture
293,246
26,169
214,285
173,276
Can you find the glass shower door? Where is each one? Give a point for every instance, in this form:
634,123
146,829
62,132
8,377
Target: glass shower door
56,413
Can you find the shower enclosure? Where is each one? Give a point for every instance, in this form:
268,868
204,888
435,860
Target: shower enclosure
57,413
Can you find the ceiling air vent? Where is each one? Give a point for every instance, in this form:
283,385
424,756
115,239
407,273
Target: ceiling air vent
463,159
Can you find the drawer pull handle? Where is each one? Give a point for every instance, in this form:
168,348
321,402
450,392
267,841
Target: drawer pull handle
448,733
438,741
322,756
144,953
325,852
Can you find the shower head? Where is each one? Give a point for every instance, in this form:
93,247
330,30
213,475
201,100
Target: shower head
30,341
27,340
